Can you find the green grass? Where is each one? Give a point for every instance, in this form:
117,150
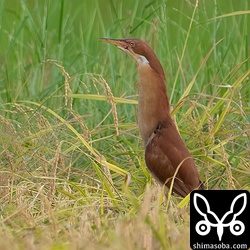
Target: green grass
72,171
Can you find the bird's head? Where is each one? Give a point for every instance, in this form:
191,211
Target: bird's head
139,51
135,48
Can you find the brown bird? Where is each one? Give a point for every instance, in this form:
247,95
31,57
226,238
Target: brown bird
166,155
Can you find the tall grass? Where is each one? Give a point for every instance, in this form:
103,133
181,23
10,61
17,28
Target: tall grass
72,171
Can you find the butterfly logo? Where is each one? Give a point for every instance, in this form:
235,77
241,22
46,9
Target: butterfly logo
210,219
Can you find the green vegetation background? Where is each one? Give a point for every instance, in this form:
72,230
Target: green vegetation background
72,171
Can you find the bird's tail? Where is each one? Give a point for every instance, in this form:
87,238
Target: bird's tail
201,186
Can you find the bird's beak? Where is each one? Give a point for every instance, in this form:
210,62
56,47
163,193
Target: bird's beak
123,45
117,42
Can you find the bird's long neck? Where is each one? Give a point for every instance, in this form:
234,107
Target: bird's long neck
155,64
153,102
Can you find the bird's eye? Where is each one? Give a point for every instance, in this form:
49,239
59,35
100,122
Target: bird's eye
132,44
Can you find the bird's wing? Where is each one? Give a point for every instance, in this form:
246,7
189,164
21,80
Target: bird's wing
165,152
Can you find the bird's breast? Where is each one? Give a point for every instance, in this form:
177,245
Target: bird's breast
152,101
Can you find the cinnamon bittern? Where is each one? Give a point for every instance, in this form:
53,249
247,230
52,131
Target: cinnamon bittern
166,155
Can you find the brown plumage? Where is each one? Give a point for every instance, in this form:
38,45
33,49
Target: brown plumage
165,153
